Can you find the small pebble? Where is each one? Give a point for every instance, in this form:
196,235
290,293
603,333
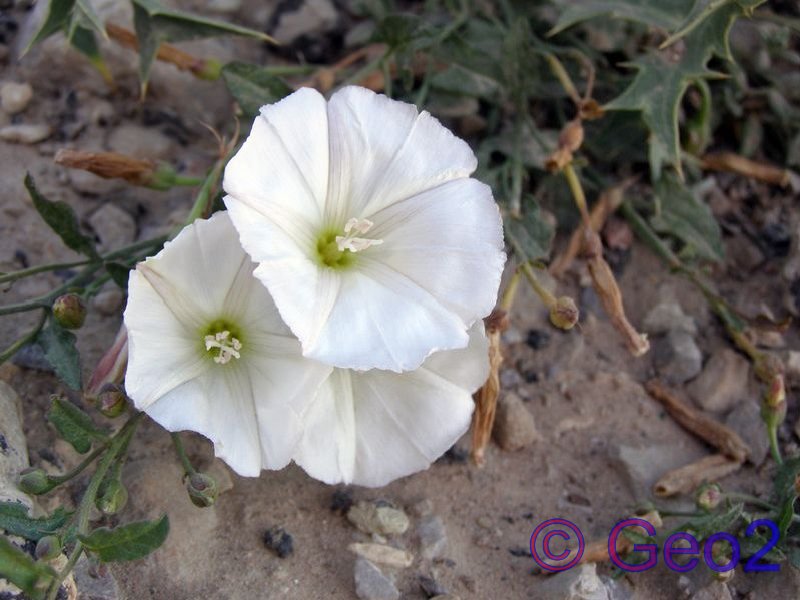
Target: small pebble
15,97
109,301
514,426
432,537
371,518
25,134
279,541
371,583
382,554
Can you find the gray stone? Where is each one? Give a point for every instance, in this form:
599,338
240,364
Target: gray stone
15,97
677,357
723,381
92,185
514,427
25,133
373,518
140,142
13,447
792,362
113,226
371,583
644,466
580,583
422,508
312,16
94,586
745,420
666,317
109,301
383,554
716,590
432,537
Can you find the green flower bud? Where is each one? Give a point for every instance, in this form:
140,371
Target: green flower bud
773,408
69,311
564,314
113,499
709,496
48,547
34,480
112,401
202,489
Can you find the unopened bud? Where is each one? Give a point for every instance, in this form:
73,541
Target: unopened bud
111,368
558,160
112,401
773,408
48,547
564,314
34,480
69,311
709,496
202,489
571,136
768,366
114,498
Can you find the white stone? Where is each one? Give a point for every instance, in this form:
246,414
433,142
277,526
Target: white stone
15,97
24,133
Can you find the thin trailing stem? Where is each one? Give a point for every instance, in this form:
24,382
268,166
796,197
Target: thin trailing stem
188,468
28,337
22,273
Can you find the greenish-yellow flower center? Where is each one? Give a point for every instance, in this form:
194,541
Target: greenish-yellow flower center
338,251
222,341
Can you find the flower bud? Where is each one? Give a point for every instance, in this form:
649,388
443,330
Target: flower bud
773,408
114,498
571,136
34,480
202,489
111,368
112,401
709,495
48,547
69,311
768,366
564,313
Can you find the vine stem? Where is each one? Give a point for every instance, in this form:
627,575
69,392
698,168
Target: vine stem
28,337
188,468
22,273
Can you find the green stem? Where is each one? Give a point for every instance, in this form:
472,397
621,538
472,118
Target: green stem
62,575
186,181
748,499
188,468
203,199
28,337
577,193
59,479
772,433
22,273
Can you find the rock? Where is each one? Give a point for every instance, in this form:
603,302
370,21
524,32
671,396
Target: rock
716,590
723,381
745,419
644,466
371,583
141,142
109,301
382,554
113,226
311,17
422,508
666,317
31,356
579,583
370,517
89,183
15,97
792,362
432,537
25,133
279,541
677,357
93,585
431,587
514,427
13,447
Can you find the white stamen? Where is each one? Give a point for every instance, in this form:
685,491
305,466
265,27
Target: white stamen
228,348
355,244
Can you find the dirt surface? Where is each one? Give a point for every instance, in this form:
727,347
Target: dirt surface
584,391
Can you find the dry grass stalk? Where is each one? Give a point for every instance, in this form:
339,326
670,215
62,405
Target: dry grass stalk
486,397
606,205
166,52
109,165
728,161
605,284
686,479
706,428
597,551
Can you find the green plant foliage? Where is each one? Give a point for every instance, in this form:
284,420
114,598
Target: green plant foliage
14,520
530,233
666,14
62,220
74,425
253,86
686,218
60,351
127,542
30,576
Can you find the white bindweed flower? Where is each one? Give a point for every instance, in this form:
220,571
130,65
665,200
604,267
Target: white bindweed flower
375,243
371,427
208,351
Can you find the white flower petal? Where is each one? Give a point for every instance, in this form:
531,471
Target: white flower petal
282,167
369,428
449,241
383,151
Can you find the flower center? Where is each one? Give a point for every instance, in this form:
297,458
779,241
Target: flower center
222,345
337,251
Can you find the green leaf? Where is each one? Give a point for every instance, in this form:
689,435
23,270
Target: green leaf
785,516
15,520
688,219
708,525
119,273
530,233
156,24
666,14
702,10
127,542
31,577
74,425
59,350
457,79
661,81
397,30
56,18
784,480
61,219
253,86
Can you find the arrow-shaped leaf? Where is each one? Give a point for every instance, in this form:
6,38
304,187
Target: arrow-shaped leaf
59,349
74,425
253,86
15,520
128,542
